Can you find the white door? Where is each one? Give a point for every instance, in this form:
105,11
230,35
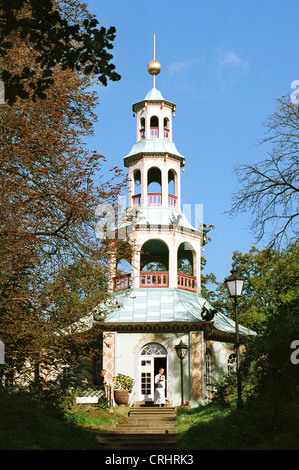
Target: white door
152,356
146,391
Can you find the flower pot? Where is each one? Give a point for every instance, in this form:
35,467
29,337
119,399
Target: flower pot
121,397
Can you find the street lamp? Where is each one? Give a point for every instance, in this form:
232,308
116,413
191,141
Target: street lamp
234,284
181,350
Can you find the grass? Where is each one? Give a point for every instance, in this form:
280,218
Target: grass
256,427
28,424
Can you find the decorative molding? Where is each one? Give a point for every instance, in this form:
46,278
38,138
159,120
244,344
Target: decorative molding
197,341
109,353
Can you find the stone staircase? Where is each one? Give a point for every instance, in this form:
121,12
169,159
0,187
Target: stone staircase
145,427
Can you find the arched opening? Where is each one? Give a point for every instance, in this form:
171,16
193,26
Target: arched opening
210,374
231,363
122,278
142,128
154,187
153,356
166,128
154,264
172,191
154,126
186,279
136,198
123,267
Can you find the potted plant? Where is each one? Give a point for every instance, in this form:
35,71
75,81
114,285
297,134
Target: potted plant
123,385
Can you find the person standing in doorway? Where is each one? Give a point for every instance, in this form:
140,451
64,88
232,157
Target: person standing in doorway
160,388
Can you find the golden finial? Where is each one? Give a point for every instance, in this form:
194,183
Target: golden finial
154,67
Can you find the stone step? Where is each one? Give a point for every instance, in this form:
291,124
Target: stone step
138,442
144,429
151,419
151,413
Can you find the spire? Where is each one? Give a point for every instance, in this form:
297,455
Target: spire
154,67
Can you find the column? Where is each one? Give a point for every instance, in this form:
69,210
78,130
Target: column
197,364
109,345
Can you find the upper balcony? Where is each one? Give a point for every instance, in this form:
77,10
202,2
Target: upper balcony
154,279
155,199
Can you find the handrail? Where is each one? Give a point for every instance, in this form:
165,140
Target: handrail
187,282
172,200
154,199
136,199
154,279
122,282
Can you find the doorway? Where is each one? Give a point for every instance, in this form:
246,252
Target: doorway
153,356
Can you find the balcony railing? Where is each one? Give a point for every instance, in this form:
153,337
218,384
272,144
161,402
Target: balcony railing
172,200
122,282
154,199
136,199
186,282
154,131
154,279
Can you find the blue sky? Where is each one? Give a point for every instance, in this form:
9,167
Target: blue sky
224,64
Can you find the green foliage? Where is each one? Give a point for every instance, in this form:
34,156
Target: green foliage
33,422
123,382
58,34
270,280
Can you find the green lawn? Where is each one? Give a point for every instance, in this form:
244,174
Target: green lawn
257,427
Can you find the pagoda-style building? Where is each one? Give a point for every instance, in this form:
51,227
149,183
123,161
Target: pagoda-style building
158,303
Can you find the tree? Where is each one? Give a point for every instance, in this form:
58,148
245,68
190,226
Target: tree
61,32
269,189
270,280
50,186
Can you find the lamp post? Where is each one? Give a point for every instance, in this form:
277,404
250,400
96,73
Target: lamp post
181,350
234,284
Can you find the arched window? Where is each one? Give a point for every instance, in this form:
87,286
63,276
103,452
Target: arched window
142,128
210,368
172,190
153,349
231,363
166,128
186,278
123,267
210,375
137,188
154,187
154,265
154,125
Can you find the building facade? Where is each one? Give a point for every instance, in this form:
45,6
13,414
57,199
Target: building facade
158,302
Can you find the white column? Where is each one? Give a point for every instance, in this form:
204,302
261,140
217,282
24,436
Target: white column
143,184
131,186
164,181
173,263
112,265
178,188
135,273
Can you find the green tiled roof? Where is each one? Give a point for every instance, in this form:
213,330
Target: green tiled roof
154,146
165,305
154,95
163,216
